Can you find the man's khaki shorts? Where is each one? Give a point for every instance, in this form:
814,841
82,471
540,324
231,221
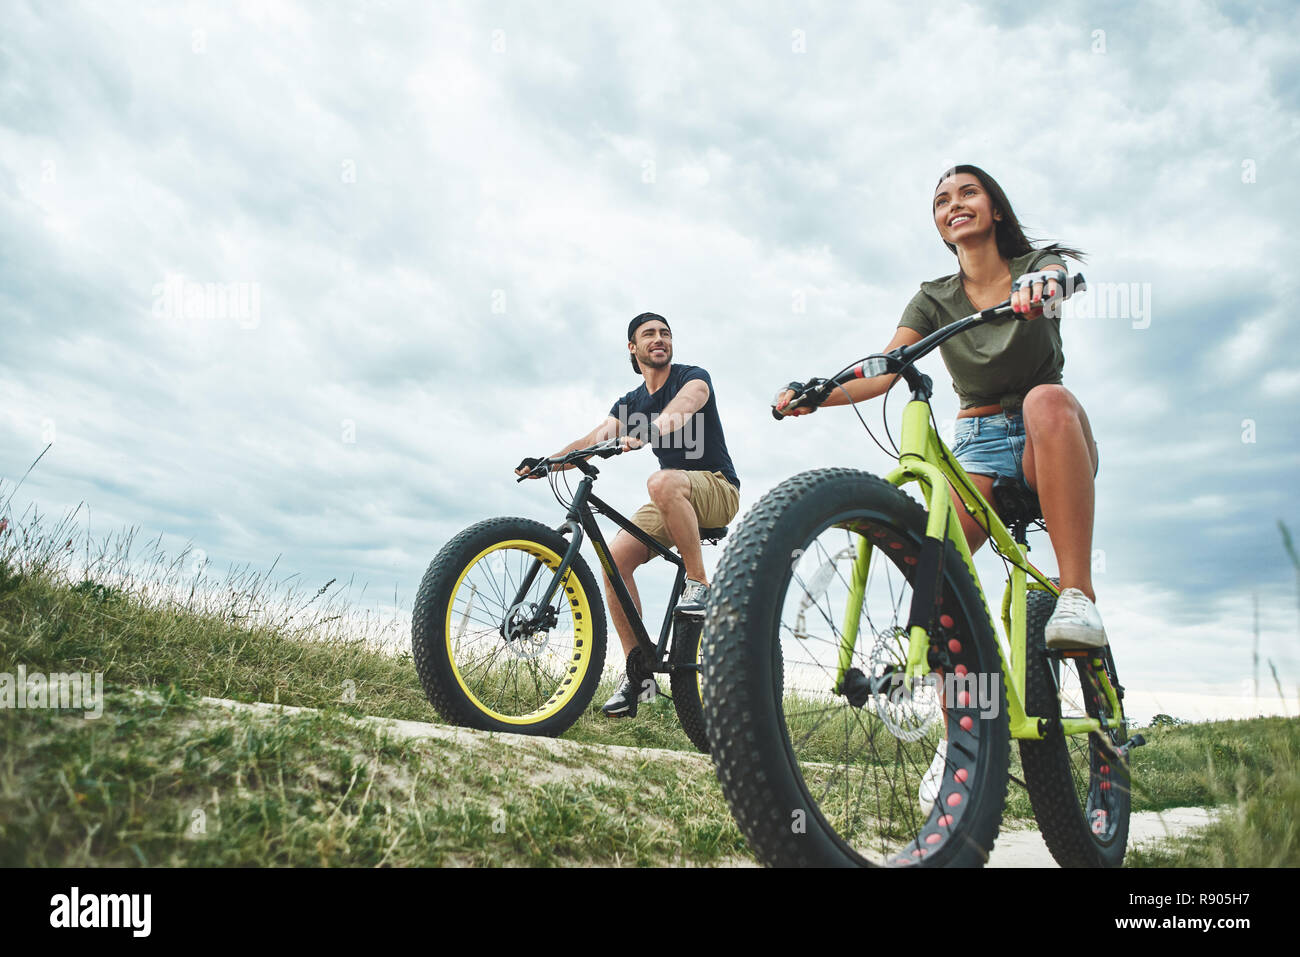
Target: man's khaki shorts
715,500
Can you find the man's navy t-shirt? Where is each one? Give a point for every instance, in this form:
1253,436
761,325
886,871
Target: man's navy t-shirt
698,445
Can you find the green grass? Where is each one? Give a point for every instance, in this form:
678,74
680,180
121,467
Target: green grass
1252,767
164,779
139,640
219,641
1193,765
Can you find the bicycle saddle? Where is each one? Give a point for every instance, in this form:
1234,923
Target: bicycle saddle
713,534
1015,503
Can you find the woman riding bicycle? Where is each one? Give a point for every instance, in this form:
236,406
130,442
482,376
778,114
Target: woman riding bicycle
1017,419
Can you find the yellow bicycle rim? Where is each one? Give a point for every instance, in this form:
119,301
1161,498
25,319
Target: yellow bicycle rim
579,658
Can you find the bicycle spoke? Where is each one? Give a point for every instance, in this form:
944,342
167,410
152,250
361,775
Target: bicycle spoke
491,593
493,582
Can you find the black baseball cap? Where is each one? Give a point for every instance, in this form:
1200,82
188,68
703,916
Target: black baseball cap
642,320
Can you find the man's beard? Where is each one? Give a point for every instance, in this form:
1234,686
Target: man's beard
650,363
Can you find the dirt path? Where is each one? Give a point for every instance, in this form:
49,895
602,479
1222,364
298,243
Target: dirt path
1023,848
1026,848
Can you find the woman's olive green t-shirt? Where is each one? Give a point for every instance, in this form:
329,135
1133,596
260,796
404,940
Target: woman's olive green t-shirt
1000,361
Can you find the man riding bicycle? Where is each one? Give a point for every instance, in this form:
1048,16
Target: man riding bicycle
675,410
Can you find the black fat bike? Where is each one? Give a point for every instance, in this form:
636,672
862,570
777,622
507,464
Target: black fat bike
508,632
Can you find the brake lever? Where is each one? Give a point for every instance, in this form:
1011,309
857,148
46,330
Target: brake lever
608,449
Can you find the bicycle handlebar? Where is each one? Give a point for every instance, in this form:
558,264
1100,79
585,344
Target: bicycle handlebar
604,450
897,360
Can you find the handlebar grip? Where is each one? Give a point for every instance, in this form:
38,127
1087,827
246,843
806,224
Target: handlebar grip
533,468
1066,288
793,404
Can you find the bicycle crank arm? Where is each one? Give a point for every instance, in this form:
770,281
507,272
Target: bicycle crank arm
1127,747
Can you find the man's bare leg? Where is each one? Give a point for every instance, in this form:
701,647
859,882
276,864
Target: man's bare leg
670,490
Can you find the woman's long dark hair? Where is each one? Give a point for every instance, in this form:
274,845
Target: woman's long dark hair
1011,238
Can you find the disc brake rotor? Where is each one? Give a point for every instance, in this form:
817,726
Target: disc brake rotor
910,708
523,640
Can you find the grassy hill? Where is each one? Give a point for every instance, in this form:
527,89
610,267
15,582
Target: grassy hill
165,777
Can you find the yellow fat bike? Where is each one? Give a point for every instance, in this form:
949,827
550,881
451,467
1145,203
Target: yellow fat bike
851,662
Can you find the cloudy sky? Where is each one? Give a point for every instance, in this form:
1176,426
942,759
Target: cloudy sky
441,217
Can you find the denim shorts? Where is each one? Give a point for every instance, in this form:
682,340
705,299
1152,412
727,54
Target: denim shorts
992,445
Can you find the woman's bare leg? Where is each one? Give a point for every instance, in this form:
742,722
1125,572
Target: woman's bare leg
975,535
1059,462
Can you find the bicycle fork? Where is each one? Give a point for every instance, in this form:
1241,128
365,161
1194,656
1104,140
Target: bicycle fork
928,578
543,614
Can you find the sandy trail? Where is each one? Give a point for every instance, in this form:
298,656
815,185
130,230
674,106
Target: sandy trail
1026,848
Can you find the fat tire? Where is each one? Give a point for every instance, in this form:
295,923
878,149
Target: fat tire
685,683
1047,764
745,721
428,628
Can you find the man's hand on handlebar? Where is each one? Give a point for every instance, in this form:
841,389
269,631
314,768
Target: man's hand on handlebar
531,468
526,468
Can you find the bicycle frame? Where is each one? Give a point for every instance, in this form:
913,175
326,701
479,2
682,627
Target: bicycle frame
926,460
580,519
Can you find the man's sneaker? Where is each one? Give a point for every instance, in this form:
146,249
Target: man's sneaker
622,704
932,781
1075,623
694,598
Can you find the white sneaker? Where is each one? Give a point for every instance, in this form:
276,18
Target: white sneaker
1075,623
932,781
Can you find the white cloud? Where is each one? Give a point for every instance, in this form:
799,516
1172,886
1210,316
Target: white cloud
1281,383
